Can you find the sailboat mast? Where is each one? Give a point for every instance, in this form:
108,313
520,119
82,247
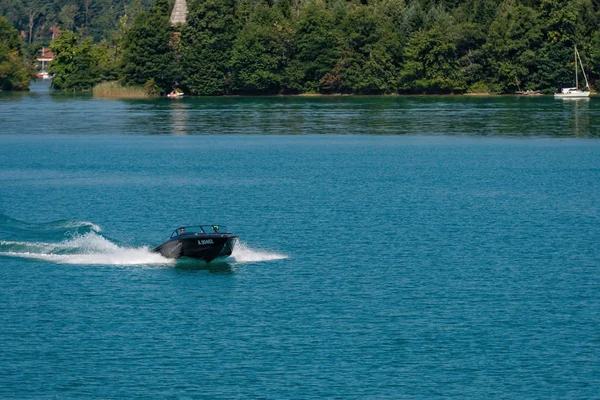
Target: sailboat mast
576,80
587,85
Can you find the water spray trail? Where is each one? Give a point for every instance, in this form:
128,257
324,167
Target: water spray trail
88,249
244,254
85,245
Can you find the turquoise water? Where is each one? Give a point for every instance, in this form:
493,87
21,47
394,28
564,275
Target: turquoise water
390,248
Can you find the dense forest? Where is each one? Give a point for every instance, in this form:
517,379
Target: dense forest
15,70
96,18
316,46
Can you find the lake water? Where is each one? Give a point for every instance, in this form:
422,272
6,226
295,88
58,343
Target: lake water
399,247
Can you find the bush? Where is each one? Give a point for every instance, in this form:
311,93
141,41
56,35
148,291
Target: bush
115,89
479,87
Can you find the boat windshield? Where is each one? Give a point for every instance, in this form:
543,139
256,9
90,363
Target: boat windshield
215,229
198,229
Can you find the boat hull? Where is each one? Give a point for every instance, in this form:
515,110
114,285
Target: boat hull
572,95
205,247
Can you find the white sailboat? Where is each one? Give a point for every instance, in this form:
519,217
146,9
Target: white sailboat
575,92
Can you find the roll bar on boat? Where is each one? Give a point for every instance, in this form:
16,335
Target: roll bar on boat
199,230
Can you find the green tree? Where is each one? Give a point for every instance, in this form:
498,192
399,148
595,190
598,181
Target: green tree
78,64
564,23
67,15
261,52
559,20
513,39
469,39
368,65
431,64
147,50
553,68
15,74
206,47
317,48
480,12
592,53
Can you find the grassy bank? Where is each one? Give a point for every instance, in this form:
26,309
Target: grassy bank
116,90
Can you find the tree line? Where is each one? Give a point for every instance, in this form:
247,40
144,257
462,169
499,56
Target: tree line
96,18
15,71
339,46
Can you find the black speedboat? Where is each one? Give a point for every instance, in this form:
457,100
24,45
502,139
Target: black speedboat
204,242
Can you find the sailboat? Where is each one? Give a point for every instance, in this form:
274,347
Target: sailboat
575,92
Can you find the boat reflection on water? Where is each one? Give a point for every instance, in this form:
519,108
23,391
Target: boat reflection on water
575,99
579,121
215,267
179,117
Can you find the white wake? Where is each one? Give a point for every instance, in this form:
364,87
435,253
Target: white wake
88,249
244,254
94,249
133,256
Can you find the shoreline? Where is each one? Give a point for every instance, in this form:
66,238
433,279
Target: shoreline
315,96
137,93
344,95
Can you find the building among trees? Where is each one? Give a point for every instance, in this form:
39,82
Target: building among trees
44,57
179,13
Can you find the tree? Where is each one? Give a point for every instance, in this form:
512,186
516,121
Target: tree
98,18
317,47
206,47
261,52
431,64
67,15
368,64
79,64
559,20
469,39
71,64
147,53
512,41
553,68
14,73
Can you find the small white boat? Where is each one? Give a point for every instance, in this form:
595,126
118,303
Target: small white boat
574,92
44,75
174,94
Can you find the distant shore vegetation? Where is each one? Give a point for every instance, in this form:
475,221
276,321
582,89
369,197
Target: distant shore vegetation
15,71
266,47
115,89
